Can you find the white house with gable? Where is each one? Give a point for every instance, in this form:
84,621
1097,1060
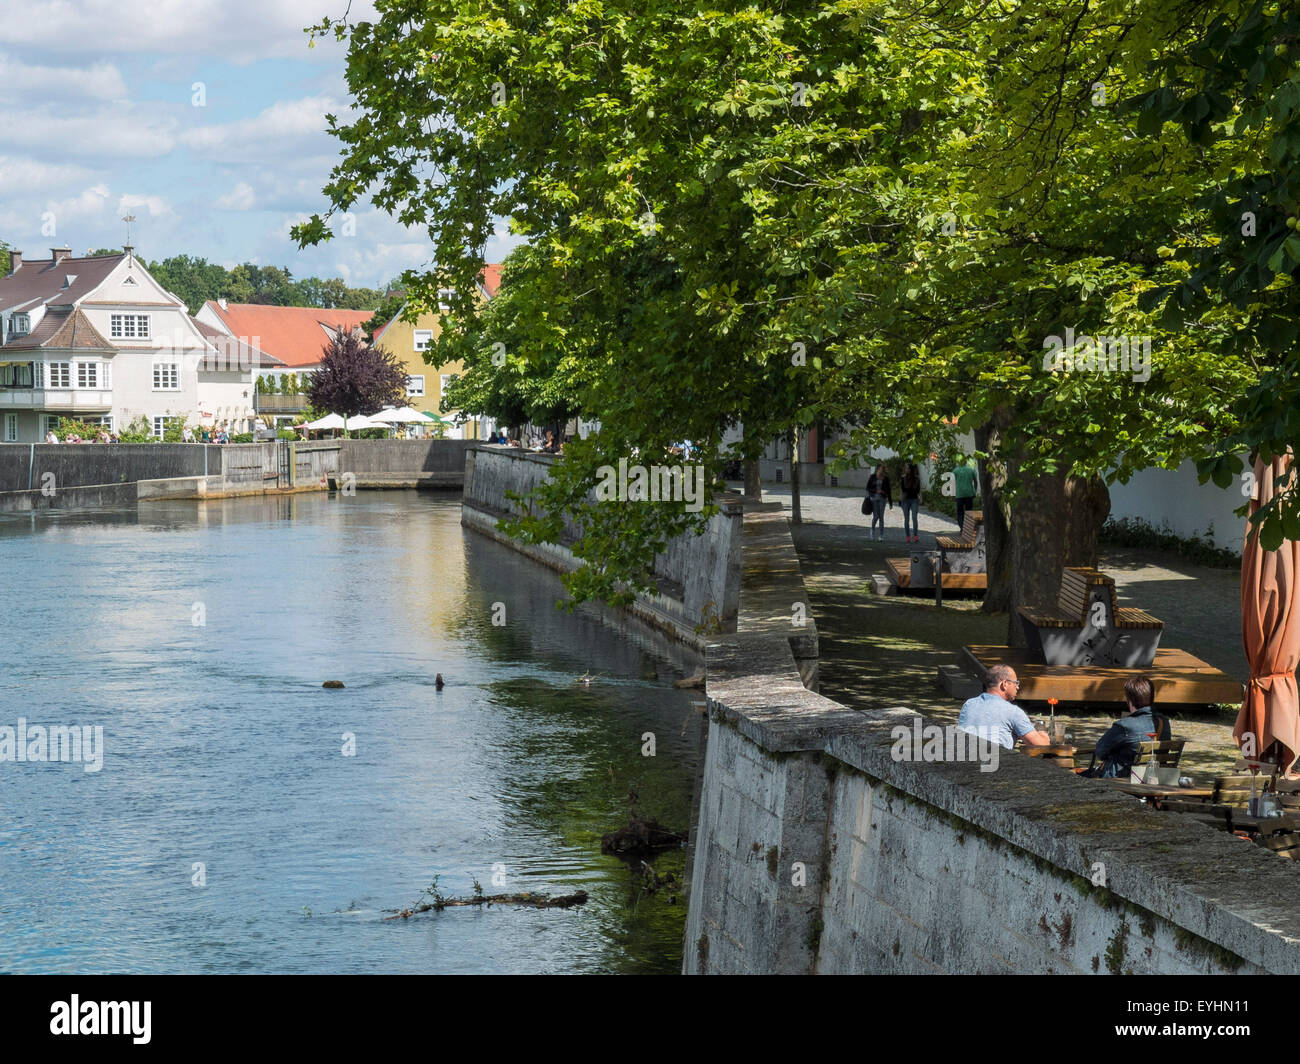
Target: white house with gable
98,339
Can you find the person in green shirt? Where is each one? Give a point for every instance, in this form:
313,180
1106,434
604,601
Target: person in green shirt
965,485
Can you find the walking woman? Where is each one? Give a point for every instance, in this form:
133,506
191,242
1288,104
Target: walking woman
909,486
879,492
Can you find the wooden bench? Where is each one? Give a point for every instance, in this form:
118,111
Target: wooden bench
1284,844
959,561
1086,626
1235,790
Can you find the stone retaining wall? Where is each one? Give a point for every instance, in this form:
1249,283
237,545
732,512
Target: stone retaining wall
817,849
698,575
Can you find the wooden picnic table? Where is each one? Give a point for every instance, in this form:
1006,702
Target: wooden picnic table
1156,790
1058,753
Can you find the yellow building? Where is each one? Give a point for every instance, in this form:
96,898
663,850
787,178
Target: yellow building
426,383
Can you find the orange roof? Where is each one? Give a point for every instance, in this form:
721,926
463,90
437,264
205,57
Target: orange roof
491,279
295,335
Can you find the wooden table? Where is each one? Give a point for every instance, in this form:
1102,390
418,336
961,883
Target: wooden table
1155,790
1058,752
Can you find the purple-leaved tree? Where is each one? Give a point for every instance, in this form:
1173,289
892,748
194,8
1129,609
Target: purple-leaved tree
356,378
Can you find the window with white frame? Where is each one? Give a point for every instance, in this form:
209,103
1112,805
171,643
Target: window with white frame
20,324
166,376
423,338
445,379
39,374
16,375
11,428
129,326
88,375
415,384
60,374
159,426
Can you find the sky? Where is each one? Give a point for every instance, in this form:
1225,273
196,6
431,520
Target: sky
205,119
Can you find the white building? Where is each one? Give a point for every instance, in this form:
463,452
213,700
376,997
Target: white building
98,339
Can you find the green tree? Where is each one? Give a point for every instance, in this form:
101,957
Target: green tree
1234,88
784,216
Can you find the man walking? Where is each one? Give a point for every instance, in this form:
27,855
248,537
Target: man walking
994,717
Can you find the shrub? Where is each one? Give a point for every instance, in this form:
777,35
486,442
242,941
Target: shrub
72,427
1135,532
242,437
138,431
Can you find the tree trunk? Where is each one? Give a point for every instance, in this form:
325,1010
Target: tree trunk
753,484
997,530
1055,523
796,514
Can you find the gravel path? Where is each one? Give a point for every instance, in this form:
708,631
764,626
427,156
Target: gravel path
879,651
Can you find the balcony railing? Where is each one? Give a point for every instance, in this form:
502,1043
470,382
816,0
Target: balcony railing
279,404
56,398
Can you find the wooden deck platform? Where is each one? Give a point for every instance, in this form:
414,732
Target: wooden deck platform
900,574
1179,676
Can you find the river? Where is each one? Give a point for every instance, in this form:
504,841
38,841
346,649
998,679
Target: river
246,820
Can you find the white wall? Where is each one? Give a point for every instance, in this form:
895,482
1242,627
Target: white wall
1174,498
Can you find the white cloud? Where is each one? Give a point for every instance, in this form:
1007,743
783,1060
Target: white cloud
155,205
240,198
222,28
46,84
284,129
20,174
111,132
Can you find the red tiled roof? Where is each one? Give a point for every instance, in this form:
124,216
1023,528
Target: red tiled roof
231,352
62,329
490,278
296,335
43,280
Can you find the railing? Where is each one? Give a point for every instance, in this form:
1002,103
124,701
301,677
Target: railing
279,404
56,398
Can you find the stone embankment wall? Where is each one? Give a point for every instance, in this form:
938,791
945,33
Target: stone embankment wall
817,849
77,476
698,580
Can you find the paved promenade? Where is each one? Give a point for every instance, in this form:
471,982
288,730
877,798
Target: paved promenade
885,651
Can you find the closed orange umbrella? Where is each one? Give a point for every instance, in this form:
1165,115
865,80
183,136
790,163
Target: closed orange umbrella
1270,632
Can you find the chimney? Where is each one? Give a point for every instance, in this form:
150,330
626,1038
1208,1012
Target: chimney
15,260
59,253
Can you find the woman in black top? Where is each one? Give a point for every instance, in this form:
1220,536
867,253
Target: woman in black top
909,485
879,492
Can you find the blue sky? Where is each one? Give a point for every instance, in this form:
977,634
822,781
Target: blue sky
98,120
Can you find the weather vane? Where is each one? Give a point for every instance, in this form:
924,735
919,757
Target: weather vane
128,219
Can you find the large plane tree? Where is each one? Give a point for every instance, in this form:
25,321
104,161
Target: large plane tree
785,215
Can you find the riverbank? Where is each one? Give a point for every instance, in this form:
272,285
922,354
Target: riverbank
879,651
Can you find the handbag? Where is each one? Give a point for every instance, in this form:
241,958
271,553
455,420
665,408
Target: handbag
866,505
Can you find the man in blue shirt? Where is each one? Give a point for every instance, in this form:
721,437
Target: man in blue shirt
994,717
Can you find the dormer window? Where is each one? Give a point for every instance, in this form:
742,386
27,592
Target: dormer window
68,278
20,324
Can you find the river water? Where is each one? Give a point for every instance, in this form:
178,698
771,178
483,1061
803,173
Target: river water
235,827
